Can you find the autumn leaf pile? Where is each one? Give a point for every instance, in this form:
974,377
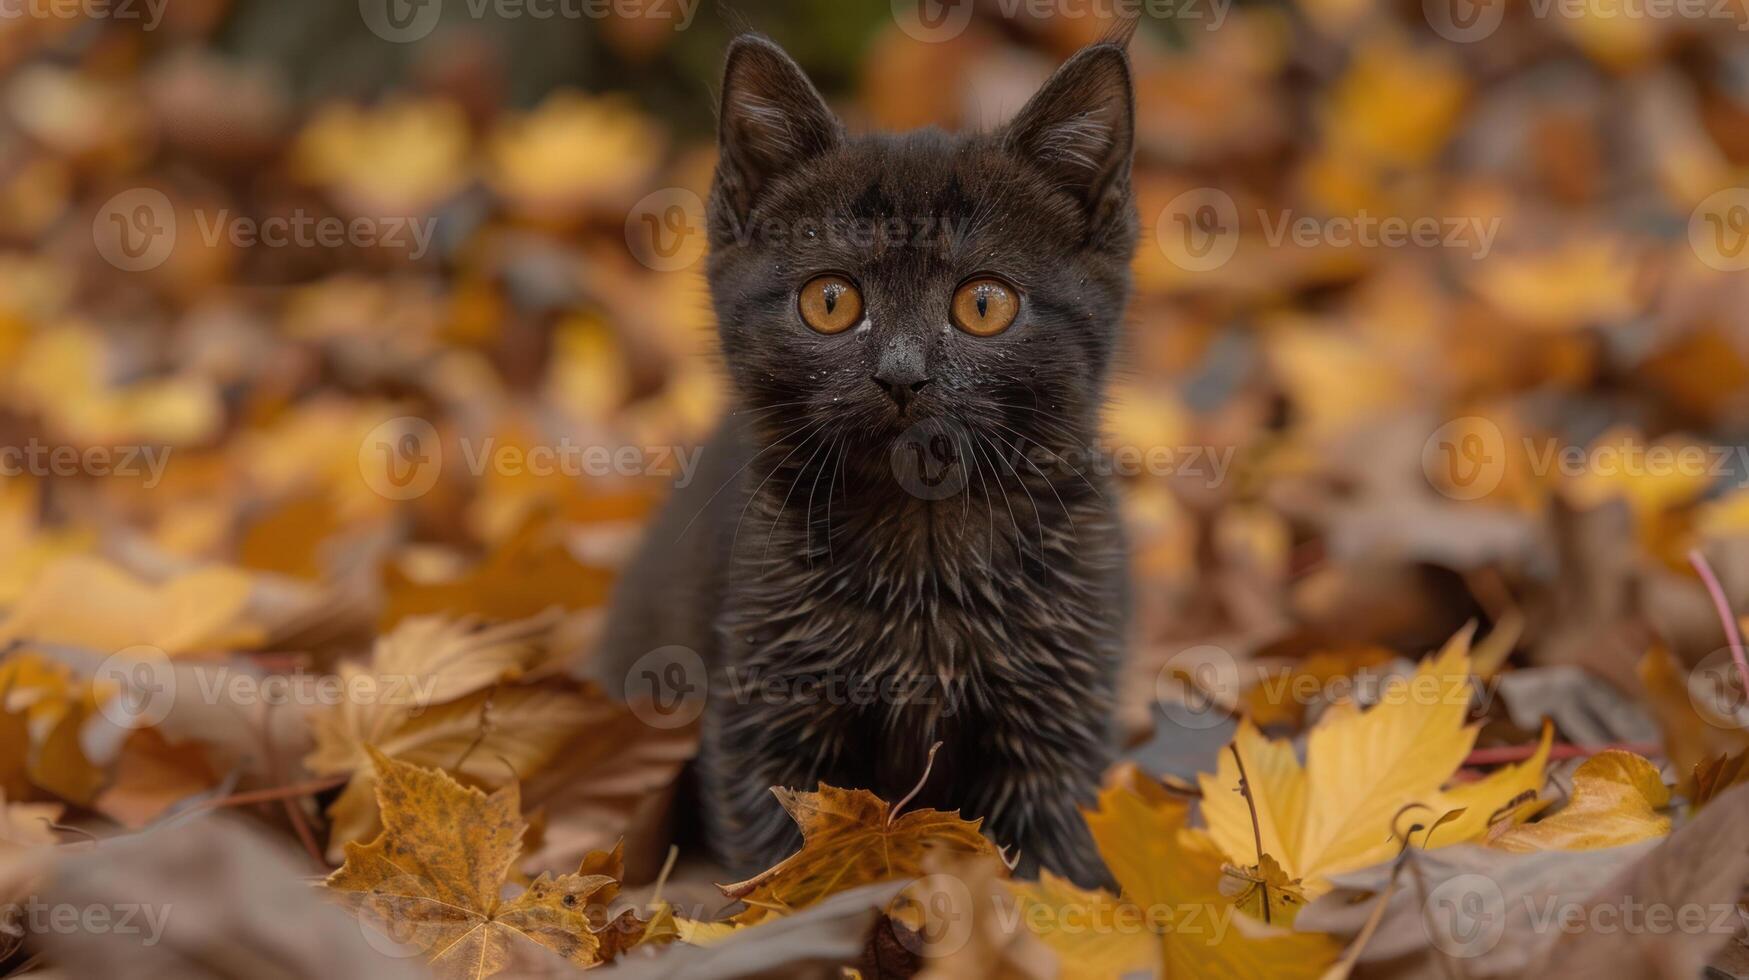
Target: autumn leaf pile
1431,624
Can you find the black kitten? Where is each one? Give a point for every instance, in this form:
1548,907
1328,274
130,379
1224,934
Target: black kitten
902,547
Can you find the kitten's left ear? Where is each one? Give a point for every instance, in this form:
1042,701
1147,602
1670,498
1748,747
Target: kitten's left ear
1080,127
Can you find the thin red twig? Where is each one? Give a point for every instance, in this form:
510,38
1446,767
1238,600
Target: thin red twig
1518,753
1723,605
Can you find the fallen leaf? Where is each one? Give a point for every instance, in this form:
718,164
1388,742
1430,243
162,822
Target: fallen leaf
849,838
44,709
1616,799
436,873
1338,811
1171,871
87,602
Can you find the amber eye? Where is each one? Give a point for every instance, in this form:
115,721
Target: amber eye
985,307
831,304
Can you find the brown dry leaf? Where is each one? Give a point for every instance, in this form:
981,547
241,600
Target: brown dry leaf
612,781
492,737
849,838
152,775
1253,887
453,656
1690,737
87,602
433,878
1616,799
1718,774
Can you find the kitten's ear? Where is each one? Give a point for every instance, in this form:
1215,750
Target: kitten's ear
1080,127
771,119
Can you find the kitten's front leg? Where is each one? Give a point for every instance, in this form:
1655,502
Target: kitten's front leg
757,740
1038,775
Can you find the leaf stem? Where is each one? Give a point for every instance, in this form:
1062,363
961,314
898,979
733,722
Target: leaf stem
1723,605
1256,828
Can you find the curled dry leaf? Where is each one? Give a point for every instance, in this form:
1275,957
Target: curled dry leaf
1616,799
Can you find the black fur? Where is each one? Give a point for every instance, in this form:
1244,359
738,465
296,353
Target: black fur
799,564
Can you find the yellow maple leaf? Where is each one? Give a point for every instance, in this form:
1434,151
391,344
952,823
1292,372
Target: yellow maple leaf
433,878
1616,799
1338,811
849,838
1171,917
84,601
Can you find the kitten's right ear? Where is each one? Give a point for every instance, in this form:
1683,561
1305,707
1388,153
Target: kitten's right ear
772,119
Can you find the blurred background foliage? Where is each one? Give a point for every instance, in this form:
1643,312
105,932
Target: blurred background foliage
1598,314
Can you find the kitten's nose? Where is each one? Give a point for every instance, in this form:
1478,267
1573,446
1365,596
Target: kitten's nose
901,373
900,390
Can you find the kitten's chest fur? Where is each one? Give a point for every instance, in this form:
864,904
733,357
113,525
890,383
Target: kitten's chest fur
901,621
